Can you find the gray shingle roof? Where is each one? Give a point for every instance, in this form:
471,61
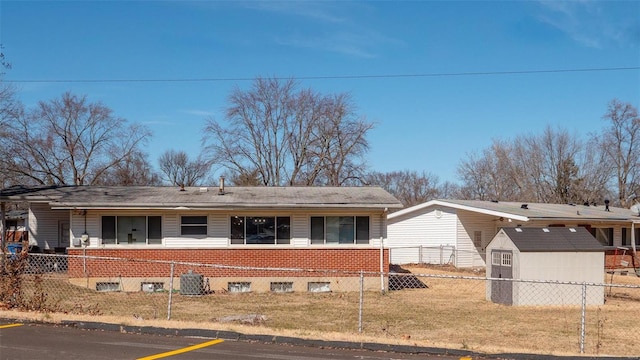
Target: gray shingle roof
532,211
551,239
551,211
194,197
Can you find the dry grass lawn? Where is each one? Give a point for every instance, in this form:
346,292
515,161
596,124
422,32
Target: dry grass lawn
450,313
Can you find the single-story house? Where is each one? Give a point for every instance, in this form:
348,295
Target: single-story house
458,231
537,259
341,229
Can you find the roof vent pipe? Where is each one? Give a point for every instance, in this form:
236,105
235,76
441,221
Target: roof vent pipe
524,206
606,205
221,189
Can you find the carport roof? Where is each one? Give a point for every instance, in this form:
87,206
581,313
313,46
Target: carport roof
553,239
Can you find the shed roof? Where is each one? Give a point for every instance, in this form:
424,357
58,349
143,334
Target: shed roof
553,239
523,211
86,197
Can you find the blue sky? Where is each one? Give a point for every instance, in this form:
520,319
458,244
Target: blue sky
434,113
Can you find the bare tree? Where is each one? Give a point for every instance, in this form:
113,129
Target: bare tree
340,144
552,167
135,170
409,187
10,110
620,143
249,178
179,170
288,136
552,164
490,175
69,140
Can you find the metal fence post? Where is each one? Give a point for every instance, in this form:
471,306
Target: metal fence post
170,291
361,301
583,317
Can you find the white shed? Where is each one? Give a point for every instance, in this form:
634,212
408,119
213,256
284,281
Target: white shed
535,258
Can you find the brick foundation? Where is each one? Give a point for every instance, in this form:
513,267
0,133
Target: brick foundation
339,261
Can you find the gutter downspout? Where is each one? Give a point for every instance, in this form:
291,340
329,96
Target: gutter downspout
3,236
633,236
383,220
633,240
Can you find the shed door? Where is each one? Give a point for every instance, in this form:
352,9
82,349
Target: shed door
501,268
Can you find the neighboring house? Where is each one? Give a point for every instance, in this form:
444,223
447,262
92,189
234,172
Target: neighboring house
458,231
549,254
327,228
15,225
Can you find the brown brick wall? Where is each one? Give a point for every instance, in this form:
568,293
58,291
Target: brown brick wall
138,264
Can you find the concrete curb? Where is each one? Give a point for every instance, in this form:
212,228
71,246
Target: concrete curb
287,340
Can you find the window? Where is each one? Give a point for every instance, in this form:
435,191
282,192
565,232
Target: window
107,286
496,258
340,230
626,236
193,225
131,230
477,239
151,286
318,287
258,230
506,259
12,224
604,235
282,287
239,287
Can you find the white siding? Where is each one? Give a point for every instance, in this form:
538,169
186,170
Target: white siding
560,266
218,230
428,230
300,230
376,230
563,266
468,223
217,233
170,225
89,223
44,225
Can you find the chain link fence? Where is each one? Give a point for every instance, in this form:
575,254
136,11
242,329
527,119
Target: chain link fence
435,255
436,306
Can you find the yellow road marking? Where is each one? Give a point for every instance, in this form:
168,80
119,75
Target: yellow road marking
9,326
181,351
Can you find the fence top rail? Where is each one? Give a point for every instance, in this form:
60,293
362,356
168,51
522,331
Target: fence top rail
533,281
436,247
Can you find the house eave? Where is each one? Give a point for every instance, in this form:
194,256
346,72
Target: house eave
433,203
202,207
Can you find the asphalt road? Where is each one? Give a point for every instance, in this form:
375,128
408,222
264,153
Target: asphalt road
38,341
